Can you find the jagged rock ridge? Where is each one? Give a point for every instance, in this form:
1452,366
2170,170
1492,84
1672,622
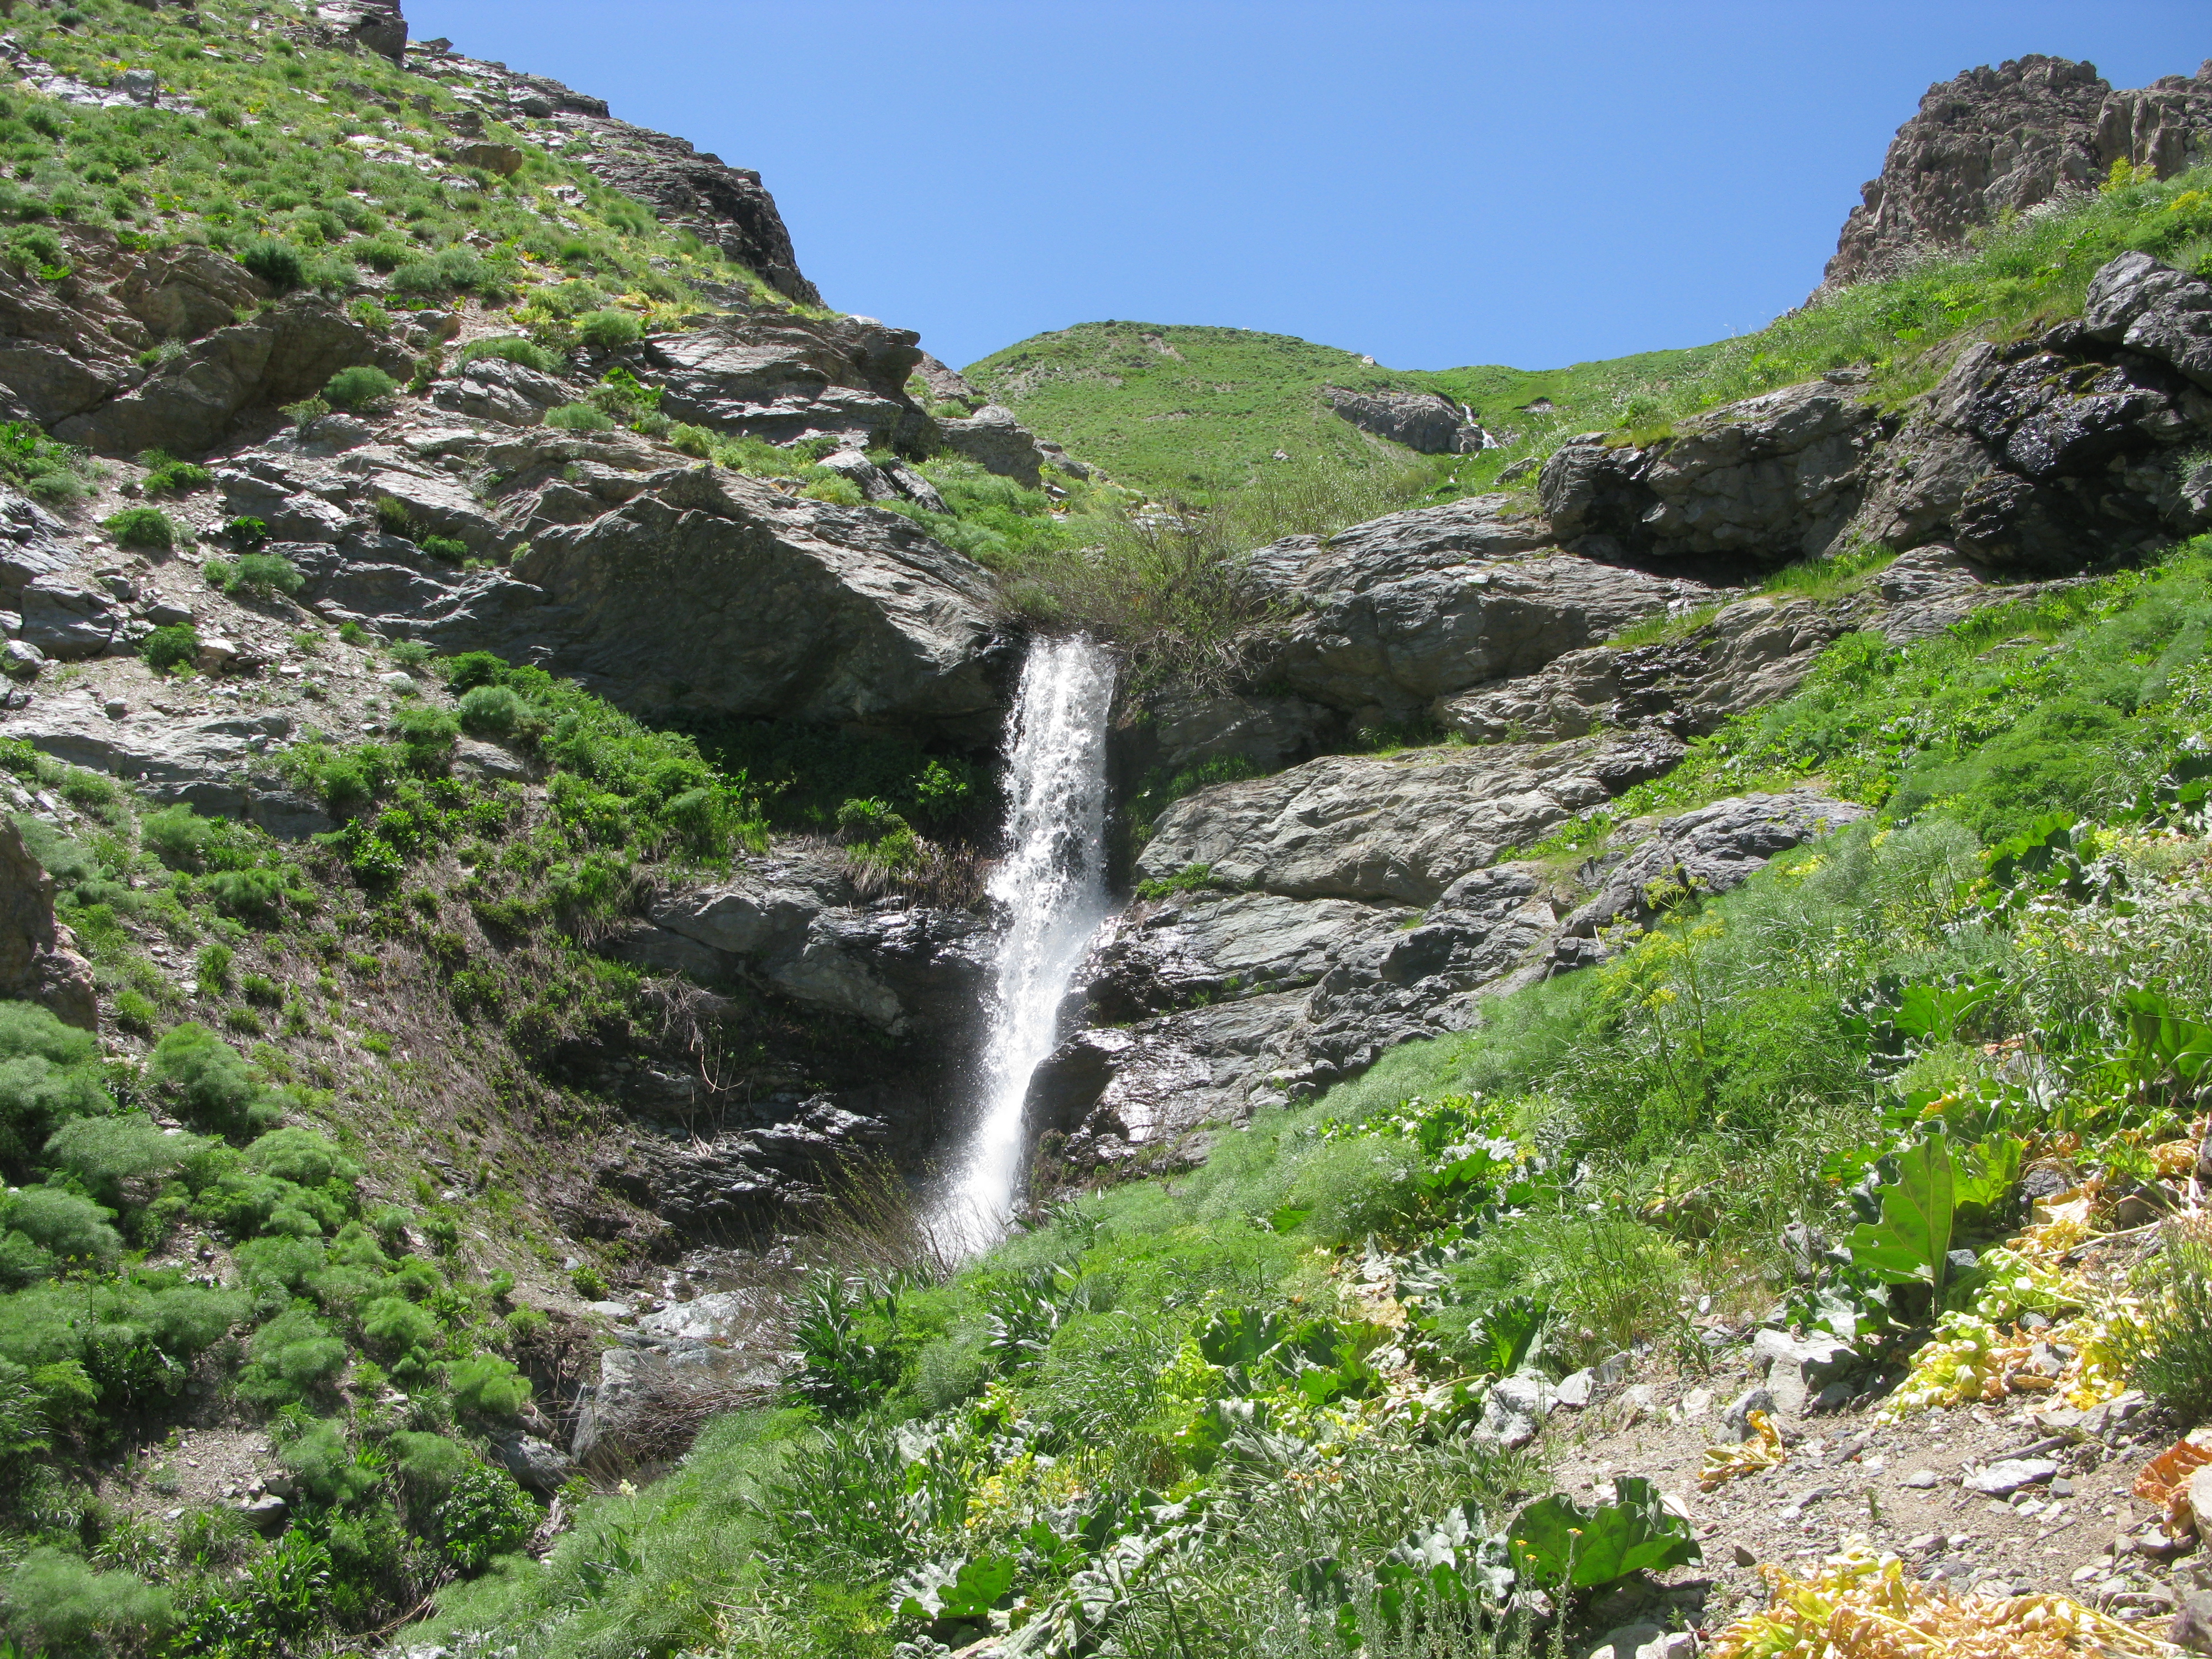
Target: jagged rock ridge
1993,140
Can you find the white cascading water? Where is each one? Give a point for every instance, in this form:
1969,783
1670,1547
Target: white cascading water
1051,888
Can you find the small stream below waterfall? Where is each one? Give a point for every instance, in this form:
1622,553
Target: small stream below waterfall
1050,887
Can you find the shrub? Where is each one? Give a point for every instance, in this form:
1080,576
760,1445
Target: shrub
358,387
264,574
147,528
326,1466
444,547
393,1325
609,330
73,1228
296,1351
256,895
515,349
37,251
210,1079
692,440
837,490
369,314
449,271
174,647
58,1604
37,1097
412,654
496,712
2173,1363
428,733
430,1464
104,1153
245,534
487,1515
488,1386
277,264
578,418
168,476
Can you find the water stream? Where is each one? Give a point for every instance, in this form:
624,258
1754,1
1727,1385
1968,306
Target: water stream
1051,888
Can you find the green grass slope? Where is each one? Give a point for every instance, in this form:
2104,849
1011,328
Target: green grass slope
1191,412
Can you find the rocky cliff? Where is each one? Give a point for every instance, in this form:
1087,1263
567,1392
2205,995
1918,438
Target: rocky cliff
1996,141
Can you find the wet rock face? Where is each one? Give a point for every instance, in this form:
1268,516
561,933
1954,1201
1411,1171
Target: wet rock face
2040,455
1387,617
1773,478
2004,139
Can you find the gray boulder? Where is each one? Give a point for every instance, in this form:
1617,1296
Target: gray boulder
1713,849
1405,828
214,762
493,389
1775,476
1513,1411
791,609
782,378
1422,421
66,621
538,1464
1797,1369
997,443
1387,617
188,404
793,923
2135,302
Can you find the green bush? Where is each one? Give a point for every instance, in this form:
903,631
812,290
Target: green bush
304,1155
104,1153
393,1325
428,733
72,1228
369,314
264,574
147,528
449,271
2173,1362
168,476
578,418
487,1386
37,1097
277,264
609,330
177,646
210,1081
58,1604
485,1515
444,547
833,488
358,387
326,1466
496,711
295,1353
692,440
38,251
515,349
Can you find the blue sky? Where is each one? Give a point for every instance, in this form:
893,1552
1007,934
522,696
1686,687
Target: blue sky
1431,184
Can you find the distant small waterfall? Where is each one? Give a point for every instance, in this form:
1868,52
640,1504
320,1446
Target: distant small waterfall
1051,888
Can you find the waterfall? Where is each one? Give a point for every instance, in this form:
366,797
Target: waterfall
1051,888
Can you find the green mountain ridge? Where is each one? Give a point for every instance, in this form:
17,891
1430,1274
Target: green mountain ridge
1183,408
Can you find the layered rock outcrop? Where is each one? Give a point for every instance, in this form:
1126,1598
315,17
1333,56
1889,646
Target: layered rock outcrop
1386,617
2041,455
1774,478
1994,141
1422,421
783,378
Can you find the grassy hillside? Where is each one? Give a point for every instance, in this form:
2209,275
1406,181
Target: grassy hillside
1221,1413
1191,412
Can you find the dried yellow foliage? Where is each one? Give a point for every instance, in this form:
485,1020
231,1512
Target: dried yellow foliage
2165,1481
1859,1608
1764,1450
